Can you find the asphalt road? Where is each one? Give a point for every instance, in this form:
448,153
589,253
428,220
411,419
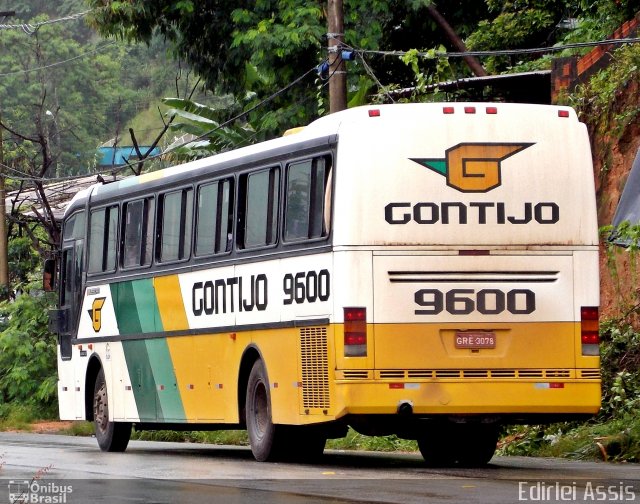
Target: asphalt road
66,470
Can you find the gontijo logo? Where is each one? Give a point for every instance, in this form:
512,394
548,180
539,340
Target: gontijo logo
473,167
96,313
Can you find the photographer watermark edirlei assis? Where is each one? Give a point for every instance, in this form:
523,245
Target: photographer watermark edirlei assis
588,491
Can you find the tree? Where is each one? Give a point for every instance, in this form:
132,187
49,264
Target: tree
226,41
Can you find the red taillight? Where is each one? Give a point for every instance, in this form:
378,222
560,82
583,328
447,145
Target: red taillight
374,112
589,330
355,332
492,110
447,110
563,113
469,110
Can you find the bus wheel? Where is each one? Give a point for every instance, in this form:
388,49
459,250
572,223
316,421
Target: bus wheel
302,443
111,436
467,445
436,448
478,444
262,432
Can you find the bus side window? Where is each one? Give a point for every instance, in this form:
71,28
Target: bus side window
214,219
103,239
307,199
258,225
137,233
175,221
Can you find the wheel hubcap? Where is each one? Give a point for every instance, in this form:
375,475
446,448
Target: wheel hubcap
100,409
260,409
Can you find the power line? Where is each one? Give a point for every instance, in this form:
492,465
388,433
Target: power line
236,117
58,63
502,52
115,170
30,29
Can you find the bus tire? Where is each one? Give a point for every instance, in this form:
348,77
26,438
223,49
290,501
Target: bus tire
111,436
262,432
435,448
466,445
302,443
479,445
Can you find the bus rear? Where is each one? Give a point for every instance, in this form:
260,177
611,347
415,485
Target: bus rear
466,250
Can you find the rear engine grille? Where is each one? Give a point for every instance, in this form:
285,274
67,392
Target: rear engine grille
399,374
314,363
356,375
590,374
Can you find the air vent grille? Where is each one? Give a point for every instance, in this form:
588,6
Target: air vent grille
314,363
400,374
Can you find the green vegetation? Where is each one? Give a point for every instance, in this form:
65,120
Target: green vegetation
244,52
352,441
614,434
27,359
355,441
606,102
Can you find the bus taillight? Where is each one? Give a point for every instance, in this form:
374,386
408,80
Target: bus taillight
589,330
355,332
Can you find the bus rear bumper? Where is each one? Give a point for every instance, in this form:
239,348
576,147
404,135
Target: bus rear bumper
535,398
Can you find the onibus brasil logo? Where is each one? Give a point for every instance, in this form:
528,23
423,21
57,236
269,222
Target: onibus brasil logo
473,167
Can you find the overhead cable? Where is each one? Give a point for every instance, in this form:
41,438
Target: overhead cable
58,63
30,29
504,52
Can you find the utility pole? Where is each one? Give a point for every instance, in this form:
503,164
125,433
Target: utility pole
337,68
4,254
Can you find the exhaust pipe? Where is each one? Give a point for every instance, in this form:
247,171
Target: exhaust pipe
405,408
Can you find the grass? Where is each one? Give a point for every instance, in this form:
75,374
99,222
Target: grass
80,428
223,437
355,441
616,440
17,418
352,441
146,125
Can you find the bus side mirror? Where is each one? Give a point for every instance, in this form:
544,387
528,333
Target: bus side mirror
48,275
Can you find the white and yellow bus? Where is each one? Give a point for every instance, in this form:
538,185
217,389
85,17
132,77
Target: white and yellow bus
425,270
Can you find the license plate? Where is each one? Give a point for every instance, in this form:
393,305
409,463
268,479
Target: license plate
475,340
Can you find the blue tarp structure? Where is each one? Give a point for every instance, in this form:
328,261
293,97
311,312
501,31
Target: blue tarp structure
118,156
629,204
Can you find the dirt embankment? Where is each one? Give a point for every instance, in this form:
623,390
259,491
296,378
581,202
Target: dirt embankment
613,158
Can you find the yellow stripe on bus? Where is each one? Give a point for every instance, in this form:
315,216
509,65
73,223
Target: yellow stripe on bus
169,297
190,376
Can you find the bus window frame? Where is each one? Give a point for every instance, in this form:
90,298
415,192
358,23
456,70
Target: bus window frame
122,231
327,203
105,238
188,243
218,218
242,201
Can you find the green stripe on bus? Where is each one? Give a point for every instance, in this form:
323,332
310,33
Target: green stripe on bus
126,308
148,313
136,307
171,407
142,380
